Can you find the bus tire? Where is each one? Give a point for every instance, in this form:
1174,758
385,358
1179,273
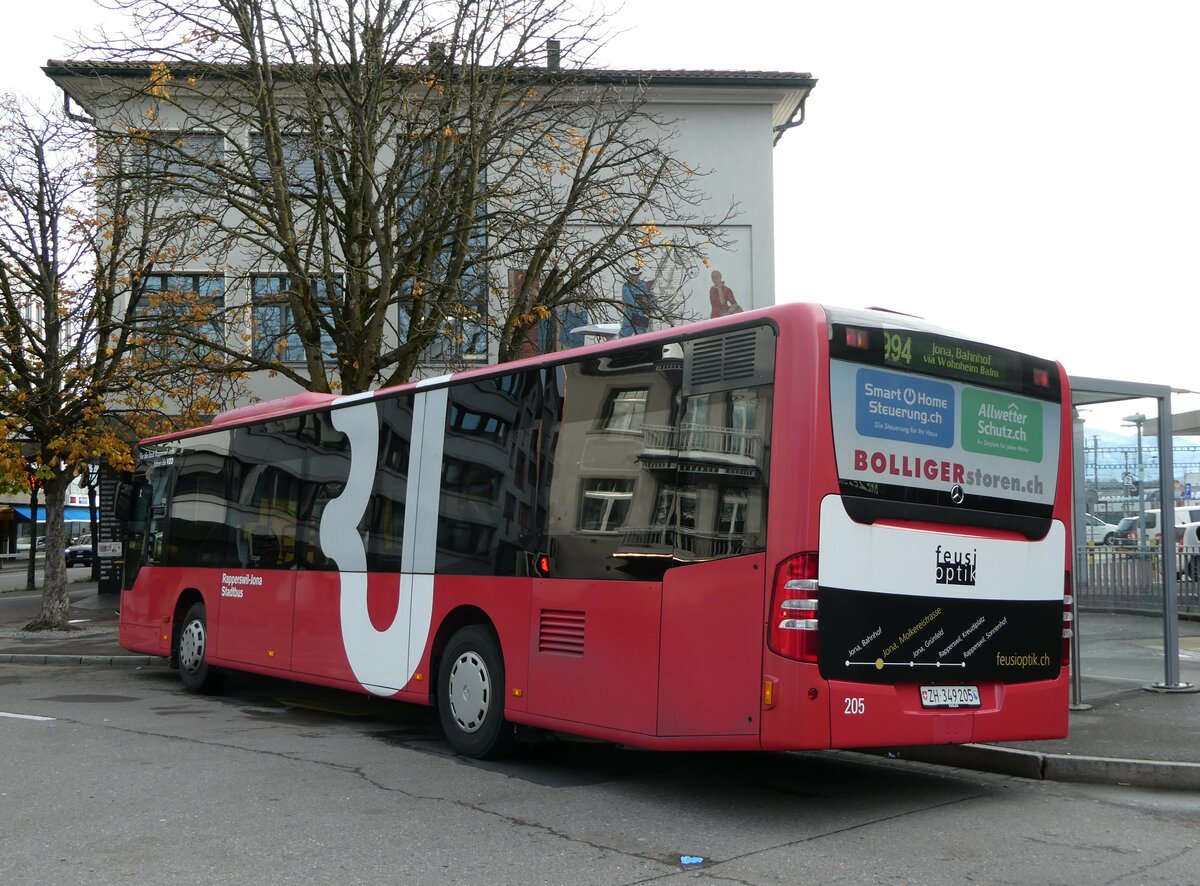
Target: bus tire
470,694
192,651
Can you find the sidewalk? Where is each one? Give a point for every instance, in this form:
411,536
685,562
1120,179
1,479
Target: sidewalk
93,639
1128,735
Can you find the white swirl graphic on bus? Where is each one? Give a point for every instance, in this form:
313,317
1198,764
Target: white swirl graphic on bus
380,660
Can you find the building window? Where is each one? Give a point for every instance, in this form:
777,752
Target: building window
275,335
187,158
478,424
471,480
193,302
743,413
463,537
463,334
605,504
626,410
298,165
731,520
696,411
675,507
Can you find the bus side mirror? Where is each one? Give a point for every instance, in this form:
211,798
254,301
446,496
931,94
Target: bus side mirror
123,502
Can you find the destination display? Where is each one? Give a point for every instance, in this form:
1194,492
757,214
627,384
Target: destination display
947,357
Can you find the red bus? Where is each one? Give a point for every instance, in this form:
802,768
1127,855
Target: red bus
798,527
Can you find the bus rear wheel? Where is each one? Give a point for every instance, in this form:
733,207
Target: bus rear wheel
470,694
192,651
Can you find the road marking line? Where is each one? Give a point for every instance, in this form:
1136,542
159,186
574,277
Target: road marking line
24,716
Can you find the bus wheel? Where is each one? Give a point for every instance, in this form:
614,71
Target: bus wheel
470,694
194,671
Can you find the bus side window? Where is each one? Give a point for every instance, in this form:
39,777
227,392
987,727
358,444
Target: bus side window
492,502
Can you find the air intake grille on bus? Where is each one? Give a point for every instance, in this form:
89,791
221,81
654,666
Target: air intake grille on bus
738,359
561,631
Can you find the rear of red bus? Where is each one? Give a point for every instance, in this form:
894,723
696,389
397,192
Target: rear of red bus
919,537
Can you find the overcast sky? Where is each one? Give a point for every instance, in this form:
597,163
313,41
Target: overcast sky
1025,171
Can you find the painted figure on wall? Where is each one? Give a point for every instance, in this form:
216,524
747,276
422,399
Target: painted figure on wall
720,298
638,296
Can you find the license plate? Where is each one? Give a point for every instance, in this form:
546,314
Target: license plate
949,696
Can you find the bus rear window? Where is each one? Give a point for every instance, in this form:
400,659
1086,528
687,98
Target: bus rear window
933,428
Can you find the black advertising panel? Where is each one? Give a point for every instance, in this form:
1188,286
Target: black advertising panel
892,638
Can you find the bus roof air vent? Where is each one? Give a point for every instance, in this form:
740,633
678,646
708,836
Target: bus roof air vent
738,359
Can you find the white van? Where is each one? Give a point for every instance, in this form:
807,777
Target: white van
1128,527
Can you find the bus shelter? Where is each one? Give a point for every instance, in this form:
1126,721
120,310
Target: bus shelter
1161,429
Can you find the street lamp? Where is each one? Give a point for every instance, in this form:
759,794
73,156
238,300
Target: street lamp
1138,419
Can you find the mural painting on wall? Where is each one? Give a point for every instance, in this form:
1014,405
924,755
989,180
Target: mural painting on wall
665,289
720,298
669,290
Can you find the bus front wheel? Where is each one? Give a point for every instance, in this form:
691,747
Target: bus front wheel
470,694
191,654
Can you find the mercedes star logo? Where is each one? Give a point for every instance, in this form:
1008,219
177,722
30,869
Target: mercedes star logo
956,494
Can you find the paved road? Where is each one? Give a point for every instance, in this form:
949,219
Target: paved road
133,780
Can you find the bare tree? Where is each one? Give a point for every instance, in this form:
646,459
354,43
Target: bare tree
70,369
420,177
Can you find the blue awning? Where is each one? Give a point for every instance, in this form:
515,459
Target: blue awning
70,515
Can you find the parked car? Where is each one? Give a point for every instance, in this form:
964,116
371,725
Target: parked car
80,552
1099,532
1127,532
39,545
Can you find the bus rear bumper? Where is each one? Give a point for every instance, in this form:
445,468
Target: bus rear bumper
873,716
807,712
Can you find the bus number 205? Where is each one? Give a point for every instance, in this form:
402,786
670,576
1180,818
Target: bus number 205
855,706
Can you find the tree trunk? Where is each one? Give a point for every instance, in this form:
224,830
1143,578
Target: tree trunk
55,600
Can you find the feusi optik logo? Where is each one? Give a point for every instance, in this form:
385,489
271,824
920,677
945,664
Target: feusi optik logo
955,567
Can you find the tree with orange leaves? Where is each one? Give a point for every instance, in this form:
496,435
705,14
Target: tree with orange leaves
75,385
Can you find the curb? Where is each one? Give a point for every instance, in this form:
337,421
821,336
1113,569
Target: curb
126,660
1060,767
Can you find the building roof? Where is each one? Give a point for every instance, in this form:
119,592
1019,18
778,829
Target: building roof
795,86
56,67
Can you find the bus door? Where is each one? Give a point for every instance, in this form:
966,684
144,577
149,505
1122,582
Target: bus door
254,615
148,522
711,504
145,532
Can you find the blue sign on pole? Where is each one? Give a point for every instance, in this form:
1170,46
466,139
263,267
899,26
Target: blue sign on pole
1187,491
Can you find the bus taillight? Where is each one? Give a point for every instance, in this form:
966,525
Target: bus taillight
793,632
1068,623
857,338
